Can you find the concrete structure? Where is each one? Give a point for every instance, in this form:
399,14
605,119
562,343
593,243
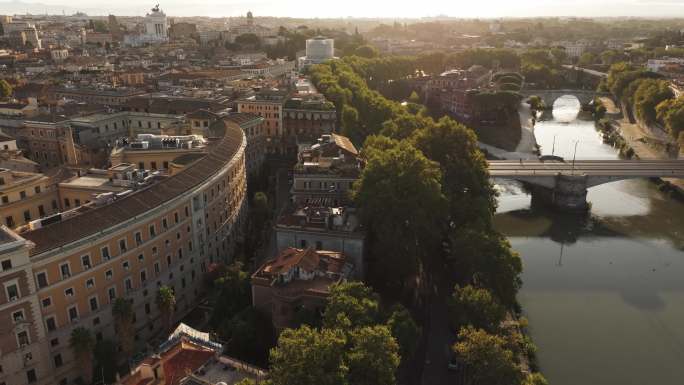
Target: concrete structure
68,273
297,280
565,184
326,171
324,227
318,50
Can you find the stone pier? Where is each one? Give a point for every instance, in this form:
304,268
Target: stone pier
569,193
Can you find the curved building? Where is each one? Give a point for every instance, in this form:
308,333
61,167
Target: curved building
68,274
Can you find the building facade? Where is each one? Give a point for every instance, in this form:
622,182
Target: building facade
72,271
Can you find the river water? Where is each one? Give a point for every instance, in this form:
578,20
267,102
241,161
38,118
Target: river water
604,292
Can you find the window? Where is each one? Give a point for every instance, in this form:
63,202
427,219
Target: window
154,250
47,302
105,253
128,284
153,165
165,224
176,217
37,189
90,283
143,276
12,290
67,203
31,376
122,245
147,308
41,210
54,204
93,304
73,314
96,321
54,342
138,238
65,270
58,360
85,261
141,257
5,199
77,202
126,266
18,316
69,292
168,260
27,216
153,231
9,221
51,324
22,194
23,338
6,264
109,274
42,280
112,294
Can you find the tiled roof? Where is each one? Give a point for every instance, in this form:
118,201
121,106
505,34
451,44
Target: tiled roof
344,143
183,363
101,218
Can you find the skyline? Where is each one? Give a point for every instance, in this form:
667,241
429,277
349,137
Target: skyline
359,9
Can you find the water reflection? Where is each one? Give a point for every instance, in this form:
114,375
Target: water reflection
604,291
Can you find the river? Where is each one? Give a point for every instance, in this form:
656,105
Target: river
603,292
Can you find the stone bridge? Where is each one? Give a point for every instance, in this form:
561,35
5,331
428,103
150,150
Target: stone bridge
550,96
565,184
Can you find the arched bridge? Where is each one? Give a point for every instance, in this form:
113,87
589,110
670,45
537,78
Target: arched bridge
550,96
566,183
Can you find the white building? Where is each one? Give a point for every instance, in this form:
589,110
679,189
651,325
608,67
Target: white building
156,25
318,50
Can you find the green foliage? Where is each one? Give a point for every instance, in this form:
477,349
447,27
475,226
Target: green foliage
649,94
122,312
352,303
166,302
82,343
487,259
248,39
307,356
249,335
404,329
476,307
105,359
232,294
486,358
465,179
5,89
535,379
373,357
399,194
586,59
598,109
366,51
671,113
536,103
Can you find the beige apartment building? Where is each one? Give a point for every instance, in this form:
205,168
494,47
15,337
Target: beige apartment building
67,274
26,196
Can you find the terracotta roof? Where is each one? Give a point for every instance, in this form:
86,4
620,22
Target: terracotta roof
101,218
185,361
306,259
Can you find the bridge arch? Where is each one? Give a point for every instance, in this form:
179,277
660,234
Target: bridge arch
550,96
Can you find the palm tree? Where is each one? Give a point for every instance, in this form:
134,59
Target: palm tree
166,302
122,311
82,344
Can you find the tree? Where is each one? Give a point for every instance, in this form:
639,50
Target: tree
586,59
404,330
474,306
122,311
249,335
535,379
648,94
232,294
306,356
350,123
82,344
671,113
465,182
486,358
105,359
247,39
5,89
374,356
166,302
353,302
401,203
536,103
414,98
367,51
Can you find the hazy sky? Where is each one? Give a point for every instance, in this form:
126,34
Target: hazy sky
362,8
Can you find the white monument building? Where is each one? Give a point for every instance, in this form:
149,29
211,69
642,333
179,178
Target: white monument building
318,50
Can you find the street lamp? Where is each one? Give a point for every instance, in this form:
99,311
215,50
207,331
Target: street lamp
573,158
